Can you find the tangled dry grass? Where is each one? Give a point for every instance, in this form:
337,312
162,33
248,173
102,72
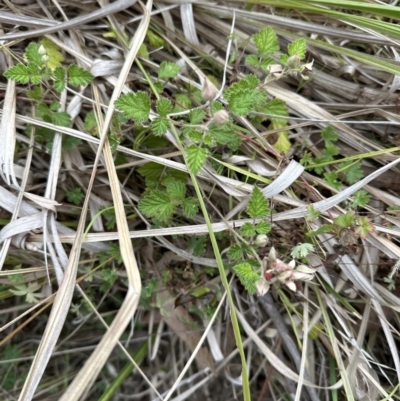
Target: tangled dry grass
98,303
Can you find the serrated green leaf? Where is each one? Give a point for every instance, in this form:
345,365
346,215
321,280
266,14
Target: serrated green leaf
360,199
298,47
160,126
18,73
53,51
323,229
152,172
195,136
283,144
35,93
252,60
168,70
143,52
32,54
61,118
79,76
190,207
208,140
235,252
217,106
263,227
265,63
242,103
182,103
196,157
276,107
59,79
136,106
156,203
251,82
164,106
266,41
345,220
225,135
258,204
35,75
247,230
55,105
197,116
176,190
247,275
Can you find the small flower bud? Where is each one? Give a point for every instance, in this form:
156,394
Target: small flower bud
261,240
42,50
262,286
274,68
45,58
293,62
220,117
209,91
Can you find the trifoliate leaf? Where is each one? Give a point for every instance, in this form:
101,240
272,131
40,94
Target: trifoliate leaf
247,230
160,126
190,207
164,106
235,252
302,250
53,51
136,106
32,54
196,157
263,227
18,73
61,118
79,76
298,48
176,190
266,41
196,116
59,79
258,204
156,203
168,70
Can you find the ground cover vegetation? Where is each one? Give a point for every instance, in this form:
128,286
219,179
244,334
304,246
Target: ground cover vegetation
199,201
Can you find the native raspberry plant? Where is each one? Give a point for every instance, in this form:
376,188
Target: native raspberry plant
43,72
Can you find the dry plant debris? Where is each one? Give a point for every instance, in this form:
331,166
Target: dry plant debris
199,201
